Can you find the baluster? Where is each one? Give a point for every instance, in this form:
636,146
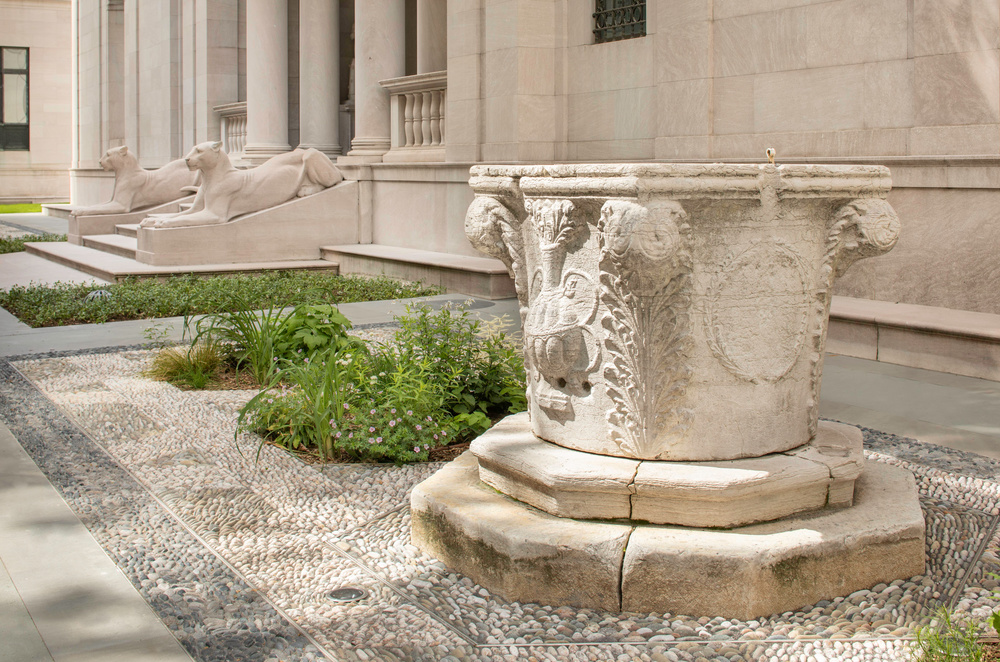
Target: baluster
408,124
425,117
435,117
418,127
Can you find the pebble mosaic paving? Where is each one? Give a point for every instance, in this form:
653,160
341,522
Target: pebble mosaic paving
238,555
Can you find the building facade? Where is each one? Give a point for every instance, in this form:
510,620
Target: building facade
407,94
35,100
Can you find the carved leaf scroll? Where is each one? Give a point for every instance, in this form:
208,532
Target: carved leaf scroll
645,288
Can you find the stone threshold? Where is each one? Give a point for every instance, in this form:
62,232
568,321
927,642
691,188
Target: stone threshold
942,339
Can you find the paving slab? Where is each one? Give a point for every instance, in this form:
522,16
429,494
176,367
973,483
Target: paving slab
59,592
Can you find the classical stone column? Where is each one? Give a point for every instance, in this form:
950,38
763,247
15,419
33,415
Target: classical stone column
432,36
319,75
267,79
380,39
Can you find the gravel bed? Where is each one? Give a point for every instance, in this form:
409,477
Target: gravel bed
239,556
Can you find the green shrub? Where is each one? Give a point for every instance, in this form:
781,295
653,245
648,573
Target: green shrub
191,367
66,303
444,377
16,244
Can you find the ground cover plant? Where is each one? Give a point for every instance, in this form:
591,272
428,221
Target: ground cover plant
444,378
16,244
69,303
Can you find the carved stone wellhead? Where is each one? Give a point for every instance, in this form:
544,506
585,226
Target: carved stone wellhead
671,459
677,312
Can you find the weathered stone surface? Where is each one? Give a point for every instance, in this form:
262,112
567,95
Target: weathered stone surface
137,188
527,555
677,311
82,225
558,480
728,493
519,552
770,568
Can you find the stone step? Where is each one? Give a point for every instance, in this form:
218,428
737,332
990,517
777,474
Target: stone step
58,211
478,276
115,244
116,267
127,230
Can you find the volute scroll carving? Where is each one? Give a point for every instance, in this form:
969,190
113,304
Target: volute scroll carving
495,230
862,228
645,269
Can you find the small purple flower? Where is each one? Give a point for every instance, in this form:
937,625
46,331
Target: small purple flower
426,447
409,412
371,429
378,439
350,435
392,411
392,424
371,440
346,406
416,449
435,436
430,420
372,411
418,427
337,436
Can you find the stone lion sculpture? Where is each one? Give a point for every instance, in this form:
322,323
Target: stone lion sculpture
227,192
137,188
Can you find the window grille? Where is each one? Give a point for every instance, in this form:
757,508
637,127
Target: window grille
619,19
13,98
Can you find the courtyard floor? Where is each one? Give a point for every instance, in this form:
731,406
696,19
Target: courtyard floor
135,526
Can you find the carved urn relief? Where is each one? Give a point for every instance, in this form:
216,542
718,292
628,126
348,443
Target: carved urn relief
677,312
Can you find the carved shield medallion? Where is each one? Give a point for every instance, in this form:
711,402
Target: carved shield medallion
757,311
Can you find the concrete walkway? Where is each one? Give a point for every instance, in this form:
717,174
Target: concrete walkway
61,598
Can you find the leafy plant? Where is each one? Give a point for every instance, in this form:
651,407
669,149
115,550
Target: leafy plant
192,367
944,640
313,328
443,377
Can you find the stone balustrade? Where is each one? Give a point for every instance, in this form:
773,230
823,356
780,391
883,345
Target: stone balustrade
233,128
418,110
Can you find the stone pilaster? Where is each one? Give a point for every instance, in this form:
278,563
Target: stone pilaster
267,79
319,75
380,39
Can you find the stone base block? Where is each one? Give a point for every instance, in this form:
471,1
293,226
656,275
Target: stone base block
527,555
84,226
571,483
294,230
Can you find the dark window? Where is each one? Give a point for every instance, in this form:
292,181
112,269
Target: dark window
13,98
619,19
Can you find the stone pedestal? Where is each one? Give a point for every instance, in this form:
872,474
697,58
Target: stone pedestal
674,323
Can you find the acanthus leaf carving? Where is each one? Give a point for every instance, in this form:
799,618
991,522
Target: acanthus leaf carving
645,288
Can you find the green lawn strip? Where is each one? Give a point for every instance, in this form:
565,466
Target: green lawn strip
16,244
66,303
25,208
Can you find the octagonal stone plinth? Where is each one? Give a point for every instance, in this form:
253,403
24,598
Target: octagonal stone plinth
727,493
527,555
